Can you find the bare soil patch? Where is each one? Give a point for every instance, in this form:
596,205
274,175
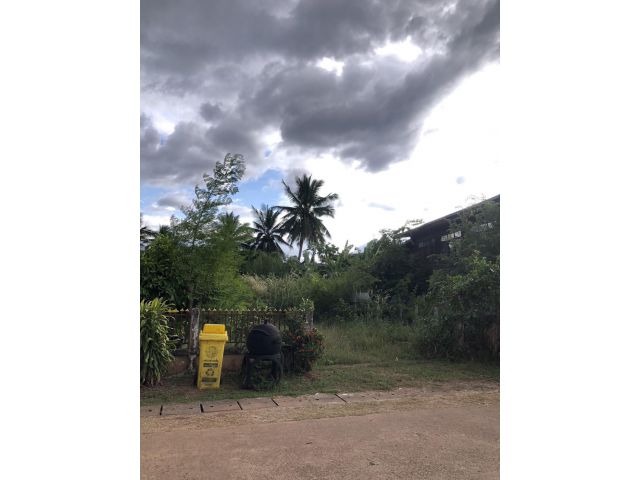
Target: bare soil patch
449,394
451,432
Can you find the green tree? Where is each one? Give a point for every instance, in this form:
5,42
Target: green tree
463,319
226,249
165,230
200,218
196,232
303,219
269,234
146,234
391,262
332,261
265,264
231,230
463,314
161,274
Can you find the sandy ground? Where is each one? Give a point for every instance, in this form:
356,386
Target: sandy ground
447,434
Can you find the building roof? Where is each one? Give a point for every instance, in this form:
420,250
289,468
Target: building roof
442,223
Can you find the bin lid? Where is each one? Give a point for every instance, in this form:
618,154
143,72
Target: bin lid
213,328
215,332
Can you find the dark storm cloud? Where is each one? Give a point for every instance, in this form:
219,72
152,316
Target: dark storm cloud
210,112
258,59
191,150
173,201
183,153
187,37
149,138
365,115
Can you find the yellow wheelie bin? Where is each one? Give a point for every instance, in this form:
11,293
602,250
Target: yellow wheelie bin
212,340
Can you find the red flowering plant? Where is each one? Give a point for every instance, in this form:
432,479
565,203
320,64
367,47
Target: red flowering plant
307,346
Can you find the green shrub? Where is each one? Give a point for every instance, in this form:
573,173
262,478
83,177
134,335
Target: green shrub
155,356
462,309
265,264
160,271
230,292
308,347
278,292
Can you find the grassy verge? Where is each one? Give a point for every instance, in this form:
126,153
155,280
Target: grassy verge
376,342
358,357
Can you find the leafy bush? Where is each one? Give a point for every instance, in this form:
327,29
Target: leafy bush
229,291
155,355
161,275
306,305
265,264
278,292
308,347
462,310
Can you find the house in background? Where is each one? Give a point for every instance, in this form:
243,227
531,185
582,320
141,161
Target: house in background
434,237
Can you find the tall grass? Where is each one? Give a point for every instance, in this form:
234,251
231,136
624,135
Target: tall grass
277,292
376,342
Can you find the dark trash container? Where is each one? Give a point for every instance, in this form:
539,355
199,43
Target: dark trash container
264,339
262,366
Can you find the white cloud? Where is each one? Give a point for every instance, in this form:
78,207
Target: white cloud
164,126
461,142
168,209
406,50
331,65
245,213
155,221
273,138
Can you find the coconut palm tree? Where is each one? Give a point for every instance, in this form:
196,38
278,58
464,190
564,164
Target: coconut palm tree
302,220
146,234
230,229
269,234
165,230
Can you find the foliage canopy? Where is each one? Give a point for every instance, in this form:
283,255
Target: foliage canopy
303,220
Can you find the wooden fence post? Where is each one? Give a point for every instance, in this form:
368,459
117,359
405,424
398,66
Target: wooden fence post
194,328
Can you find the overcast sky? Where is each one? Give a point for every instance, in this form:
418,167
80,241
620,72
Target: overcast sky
393,103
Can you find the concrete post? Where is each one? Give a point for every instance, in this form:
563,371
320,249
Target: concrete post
194,329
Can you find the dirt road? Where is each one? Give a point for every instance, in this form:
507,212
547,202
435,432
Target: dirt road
445,435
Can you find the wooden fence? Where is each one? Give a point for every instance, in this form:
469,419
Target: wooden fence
238,322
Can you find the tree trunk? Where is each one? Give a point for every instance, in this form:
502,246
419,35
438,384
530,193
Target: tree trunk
300,250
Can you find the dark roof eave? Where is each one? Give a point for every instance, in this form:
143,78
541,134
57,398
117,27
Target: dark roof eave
442,222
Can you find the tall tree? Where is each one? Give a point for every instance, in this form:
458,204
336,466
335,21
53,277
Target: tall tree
200,222
302,220
165,230
161,274
269,234
231,230
146,234
201,216
224,253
